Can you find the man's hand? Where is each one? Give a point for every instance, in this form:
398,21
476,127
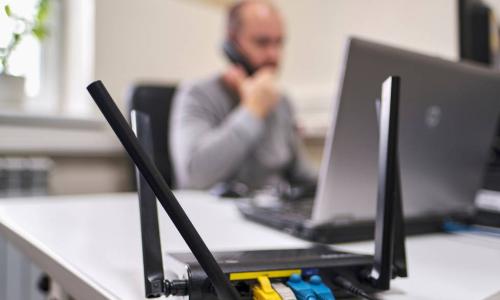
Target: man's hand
259,93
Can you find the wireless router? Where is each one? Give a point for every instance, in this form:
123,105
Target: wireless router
259,274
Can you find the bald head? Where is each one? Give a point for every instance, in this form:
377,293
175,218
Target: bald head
256,27
246,10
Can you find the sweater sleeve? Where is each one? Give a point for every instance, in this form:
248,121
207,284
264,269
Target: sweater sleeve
205,151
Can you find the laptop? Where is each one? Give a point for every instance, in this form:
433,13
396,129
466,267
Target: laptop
448,116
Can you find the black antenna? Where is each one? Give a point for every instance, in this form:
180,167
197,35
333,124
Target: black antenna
389,226
157,183
400,268
150,233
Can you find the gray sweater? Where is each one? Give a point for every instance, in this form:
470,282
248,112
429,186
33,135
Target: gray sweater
214,139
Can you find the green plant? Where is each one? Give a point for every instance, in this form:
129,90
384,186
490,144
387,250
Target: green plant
35,26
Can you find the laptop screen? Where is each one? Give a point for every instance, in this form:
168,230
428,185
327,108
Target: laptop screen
448,113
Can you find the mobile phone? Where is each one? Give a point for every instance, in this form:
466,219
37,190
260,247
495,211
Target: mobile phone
236,57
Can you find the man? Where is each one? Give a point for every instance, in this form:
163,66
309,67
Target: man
235,127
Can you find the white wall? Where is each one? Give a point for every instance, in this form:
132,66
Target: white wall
171,40
318,30
160,40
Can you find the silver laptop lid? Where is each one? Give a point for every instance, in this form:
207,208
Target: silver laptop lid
448,114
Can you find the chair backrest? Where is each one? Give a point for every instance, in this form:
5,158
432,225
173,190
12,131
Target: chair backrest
156,101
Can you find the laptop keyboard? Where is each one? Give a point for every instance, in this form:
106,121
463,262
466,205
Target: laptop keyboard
298,209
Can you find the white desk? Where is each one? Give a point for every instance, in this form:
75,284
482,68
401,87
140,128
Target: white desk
91,246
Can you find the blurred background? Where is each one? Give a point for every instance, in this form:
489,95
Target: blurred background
53,129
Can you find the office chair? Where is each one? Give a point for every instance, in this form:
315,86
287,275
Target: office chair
156,101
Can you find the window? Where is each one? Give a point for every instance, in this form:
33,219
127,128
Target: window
57,68
25,59
28,58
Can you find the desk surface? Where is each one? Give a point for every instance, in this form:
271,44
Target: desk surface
91,246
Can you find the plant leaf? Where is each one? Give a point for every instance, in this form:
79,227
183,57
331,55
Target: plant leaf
39,31
8,11
42,11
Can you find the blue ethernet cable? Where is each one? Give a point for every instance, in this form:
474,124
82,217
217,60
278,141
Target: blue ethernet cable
320,289
302,289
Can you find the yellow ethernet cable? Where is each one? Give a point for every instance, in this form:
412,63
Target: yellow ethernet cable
263,290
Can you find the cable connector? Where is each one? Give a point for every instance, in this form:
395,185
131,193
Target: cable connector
302,289
263,290
351,288
320,289
285,292
176,287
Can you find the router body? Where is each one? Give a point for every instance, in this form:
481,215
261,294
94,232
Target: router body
242,268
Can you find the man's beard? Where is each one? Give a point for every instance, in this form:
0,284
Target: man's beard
272,65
